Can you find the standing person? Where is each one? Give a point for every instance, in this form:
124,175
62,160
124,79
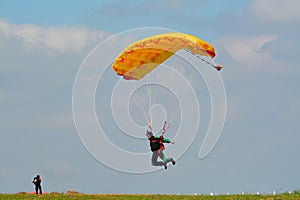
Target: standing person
157,147
37,182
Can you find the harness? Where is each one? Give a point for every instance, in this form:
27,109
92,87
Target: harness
156,143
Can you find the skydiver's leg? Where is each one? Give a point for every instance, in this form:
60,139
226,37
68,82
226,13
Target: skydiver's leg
40,188
166,159
154,159
163,157
36,189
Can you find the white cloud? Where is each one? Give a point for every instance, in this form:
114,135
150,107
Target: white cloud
245,49
281,11
60,39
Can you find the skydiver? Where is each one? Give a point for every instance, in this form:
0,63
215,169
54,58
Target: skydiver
37,182
157,147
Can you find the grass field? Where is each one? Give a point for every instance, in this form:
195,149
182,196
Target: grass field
152,197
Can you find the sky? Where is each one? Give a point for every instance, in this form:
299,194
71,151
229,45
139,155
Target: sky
44,46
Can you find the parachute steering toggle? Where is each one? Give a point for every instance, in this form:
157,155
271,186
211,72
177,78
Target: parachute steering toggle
218,67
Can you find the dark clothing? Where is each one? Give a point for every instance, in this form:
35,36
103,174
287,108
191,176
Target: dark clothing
37,188
156,142
157,147
37,182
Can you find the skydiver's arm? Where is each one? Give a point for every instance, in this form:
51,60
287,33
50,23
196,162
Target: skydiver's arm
167,140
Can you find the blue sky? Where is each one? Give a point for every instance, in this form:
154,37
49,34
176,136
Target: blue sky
44,43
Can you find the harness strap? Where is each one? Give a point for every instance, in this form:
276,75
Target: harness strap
161,145
165,127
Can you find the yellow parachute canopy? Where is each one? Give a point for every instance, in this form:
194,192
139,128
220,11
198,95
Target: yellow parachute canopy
141,57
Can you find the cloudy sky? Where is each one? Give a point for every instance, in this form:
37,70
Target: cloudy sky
44,43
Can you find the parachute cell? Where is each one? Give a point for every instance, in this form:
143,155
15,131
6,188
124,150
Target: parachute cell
141,57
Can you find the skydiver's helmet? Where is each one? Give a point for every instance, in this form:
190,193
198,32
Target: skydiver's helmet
149,133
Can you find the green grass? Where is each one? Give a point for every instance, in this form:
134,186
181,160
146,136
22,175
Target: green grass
151,197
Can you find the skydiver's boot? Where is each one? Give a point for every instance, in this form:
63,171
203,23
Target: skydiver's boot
173,161
165,165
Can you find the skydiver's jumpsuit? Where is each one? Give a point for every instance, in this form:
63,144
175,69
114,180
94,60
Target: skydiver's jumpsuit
157,147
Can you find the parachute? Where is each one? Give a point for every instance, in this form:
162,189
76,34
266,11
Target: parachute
141,57
138,60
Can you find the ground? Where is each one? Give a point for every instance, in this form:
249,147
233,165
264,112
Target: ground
79,196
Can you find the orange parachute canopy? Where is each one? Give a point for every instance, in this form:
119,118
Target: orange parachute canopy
141,57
